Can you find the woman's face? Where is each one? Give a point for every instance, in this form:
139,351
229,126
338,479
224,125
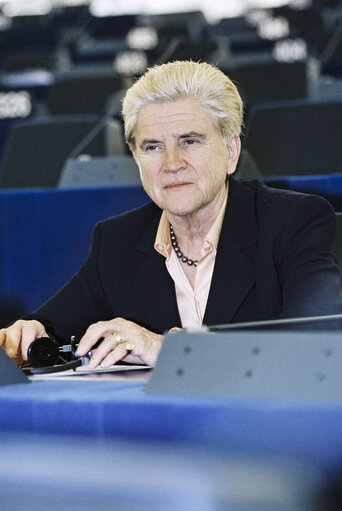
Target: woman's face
182,159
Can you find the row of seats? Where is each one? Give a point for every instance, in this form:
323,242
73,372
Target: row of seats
83,37
38,149
298,137
287,138
92,60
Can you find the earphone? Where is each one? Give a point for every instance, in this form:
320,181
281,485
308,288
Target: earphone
45,356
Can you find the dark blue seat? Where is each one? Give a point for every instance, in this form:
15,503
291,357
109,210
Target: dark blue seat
45,236
295,137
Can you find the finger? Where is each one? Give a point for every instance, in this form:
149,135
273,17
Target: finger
30,332
17,338
119,353
2,336
9,349
107,345
12,340
93,333
175,329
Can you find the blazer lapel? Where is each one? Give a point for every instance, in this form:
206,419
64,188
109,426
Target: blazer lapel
234,273
154,285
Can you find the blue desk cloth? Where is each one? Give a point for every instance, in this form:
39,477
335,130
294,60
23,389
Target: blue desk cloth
45,235
309,431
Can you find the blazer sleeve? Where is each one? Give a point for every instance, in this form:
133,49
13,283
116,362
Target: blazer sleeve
308,272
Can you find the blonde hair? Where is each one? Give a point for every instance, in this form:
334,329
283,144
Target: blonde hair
185,80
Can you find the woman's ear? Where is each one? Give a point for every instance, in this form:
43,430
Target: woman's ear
234,149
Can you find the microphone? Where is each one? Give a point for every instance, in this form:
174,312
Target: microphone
82,144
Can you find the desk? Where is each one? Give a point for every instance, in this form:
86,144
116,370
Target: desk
111,446
122,409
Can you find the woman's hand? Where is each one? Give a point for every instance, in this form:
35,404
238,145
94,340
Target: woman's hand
122,340
17,338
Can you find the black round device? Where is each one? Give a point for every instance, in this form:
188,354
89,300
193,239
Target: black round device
43,355
43,352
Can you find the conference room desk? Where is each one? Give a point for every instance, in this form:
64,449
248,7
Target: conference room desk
96,426
123,408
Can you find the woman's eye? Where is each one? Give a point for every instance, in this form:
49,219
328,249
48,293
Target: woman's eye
151,148
190,141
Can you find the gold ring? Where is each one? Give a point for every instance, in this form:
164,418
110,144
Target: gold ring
117,337
129,347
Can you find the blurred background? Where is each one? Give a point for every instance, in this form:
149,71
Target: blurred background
48,47
76,58
64,68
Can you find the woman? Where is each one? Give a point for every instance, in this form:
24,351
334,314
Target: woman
208,249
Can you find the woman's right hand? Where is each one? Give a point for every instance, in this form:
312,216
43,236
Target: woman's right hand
16,339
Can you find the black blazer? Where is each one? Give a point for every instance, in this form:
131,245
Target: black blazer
274,260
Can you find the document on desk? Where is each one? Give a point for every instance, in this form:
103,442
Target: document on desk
83,371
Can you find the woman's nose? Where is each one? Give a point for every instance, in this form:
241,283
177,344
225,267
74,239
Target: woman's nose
173,161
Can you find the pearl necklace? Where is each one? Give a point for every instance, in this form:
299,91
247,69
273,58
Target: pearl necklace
179,253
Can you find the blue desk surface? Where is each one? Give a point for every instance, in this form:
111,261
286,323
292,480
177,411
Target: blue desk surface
123,410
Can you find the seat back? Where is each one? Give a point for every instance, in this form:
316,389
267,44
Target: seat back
37,150
296,138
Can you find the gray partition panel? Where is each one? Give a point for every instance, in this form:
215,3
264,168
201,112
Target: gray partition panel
99,171
9,372
267,365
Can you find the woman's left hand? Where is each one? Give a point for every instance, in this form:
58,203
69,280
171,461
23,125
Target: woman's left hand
122,340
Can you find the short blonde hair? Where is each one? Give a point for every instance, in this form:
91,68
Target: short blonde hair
185,80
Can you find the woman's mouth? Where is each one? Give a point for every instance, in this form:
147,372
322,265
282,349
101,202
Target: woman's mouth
173,186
